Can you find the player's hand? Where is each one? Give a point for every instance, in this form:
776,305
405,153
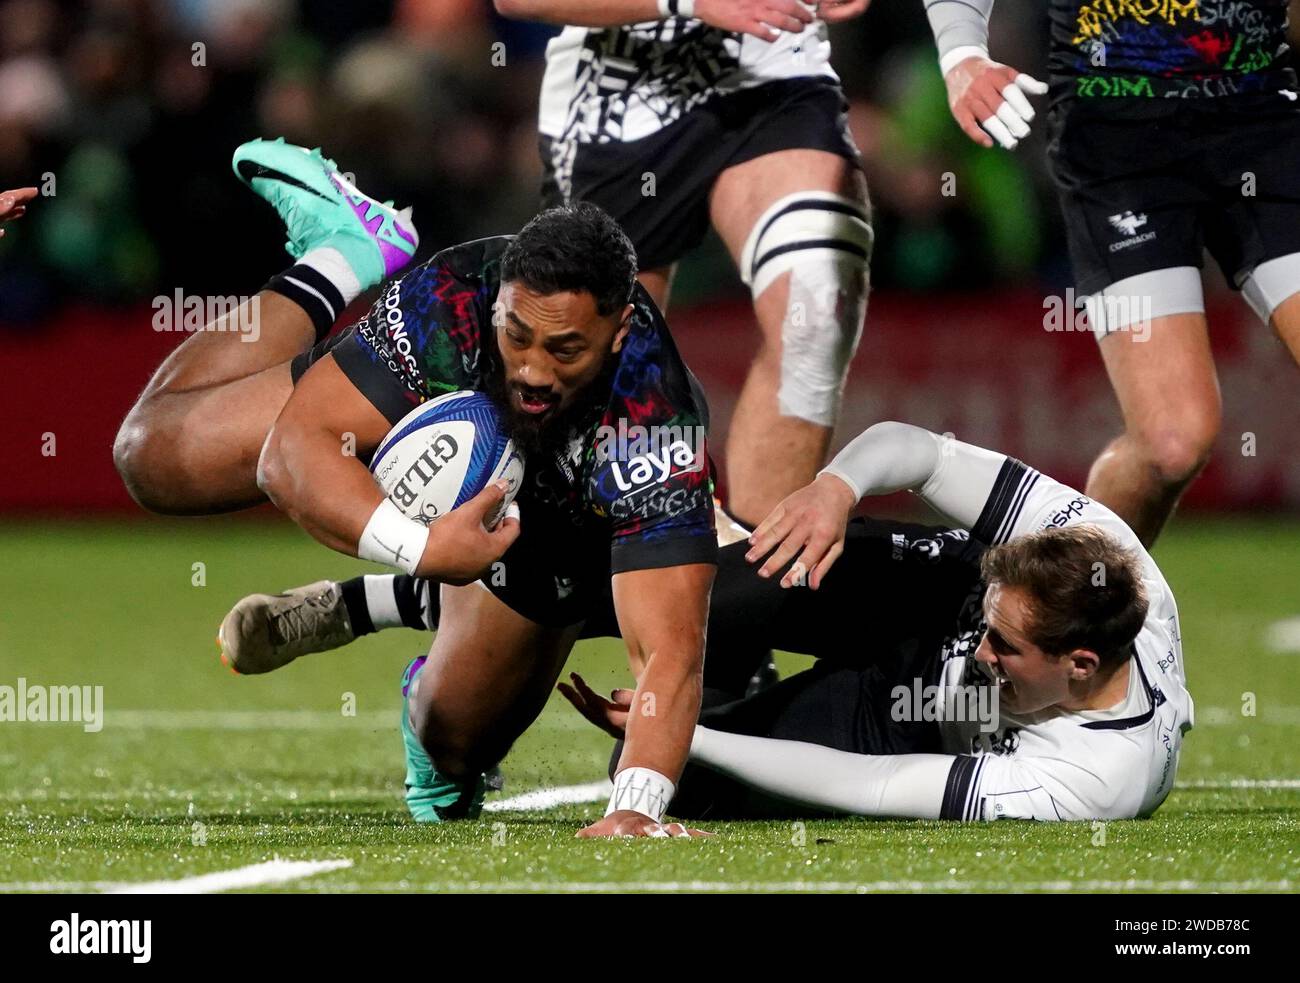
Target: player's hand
810,522
609,715
764,19
627,823
988,100
838,11
461,547
13,204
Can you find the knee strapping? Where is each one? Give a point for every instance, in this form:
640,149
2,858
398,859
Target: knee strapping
823,241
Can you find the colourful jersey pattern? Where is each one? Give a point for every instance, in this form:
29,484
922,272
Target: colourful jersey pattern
1158,49
639,467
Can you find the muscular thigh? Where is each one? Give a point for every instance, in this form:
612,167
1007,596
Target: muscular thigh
745,191
490,670
1164,378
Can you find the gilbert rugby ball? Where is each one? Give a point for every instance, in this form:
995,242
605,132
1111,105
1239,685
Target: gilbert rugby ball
443,453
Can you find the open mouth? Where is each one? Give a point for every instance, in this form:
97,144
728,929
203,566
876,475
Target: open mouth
534,403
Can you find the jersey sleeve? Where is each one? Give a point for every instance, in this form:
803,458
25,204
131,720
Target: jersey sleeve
999,498
659,500
408,348
991,786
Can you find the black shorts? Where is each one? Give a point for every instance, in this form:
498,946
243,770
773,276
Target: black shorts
1147,194
686,157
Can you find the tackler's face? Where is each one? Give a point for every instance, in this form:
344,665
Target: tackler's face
553,348
1028,678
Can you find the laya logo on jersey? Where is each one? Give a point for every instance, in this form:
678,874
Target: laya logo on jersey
654,468
1072,511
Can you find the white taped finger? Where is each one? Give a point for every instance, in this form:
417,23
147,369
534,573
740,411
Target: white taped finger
677,829
659,833
1031,85
995,128
1018,127
1016,99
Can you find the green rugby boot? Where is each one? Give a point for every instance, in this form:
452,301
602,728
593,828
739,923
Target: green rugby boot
321,207
430,797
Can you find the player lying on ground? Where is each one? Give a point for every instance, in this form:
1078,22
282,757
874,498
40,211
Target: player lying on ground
1170,131
1049,632
552,325
675,117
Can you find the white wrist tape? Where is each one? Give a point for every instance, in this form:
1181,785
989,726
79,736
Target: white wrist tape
676,8
642,790
391,538
960,54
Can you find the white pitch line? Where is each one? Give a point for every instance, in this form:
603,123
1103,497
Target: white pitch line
245,719
254,875
815,887
548,798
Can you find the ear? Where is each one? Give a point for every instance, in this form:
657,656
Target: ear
1084,664
624,326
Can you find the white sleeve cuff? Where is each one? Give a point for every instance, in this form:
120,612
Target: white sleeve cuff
959,54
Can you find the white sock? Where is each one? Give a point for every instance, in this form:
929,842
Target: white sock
330,264
381,602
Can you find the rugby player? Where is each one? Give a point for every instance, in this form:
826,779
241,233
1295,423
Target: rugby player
1172,128
552,324
676,114
1023,661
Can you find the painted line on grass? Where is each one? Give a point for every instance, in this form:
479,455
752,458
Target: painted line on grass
265,874
816,887
549,798
240,878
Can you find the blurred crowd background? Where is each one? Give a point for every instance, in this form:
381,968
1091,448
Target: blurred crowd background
134,108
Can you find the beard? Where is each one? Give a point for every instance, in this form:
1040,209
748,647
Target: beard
545,436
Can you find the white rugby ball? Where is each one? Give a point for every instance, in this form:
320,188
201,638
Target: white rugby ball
443,453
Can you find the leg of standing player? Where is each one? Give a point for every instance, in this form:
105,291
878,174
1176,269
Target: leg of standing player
781,428
1168,394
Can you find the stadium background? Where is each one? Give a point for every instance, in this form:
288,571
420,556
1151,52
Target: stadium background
105,96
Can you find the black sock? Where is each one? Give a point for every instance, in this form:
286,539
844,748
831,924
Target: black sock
311,291
379,601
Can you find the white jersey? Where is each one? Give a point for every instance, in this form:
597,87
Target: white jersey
620,84
1097,764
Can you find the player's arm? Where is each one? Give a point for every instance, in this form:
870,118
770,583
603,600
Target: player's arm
662,613
311,468
907,786
762,18
990,494
987,99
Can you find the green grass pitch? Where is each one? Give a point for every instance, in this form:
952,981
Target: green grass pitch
197,771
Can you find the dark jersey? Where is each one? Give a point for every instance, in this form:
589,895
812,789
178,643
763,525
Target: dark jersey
431,333
1138,57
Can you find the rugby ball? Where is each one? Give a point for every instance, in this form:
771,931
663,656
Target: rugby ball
443,453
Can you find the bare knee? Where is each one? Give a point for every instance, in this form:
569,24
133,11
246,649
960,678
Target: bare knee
455,752
141,454
1175,454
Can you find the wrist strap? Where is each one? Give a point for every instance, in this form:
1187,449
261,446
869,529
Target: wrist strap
642,790
960,54
391,538
676,8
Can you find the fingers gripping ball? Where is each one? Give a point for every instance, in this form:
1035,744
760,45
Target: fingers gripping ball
443,453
